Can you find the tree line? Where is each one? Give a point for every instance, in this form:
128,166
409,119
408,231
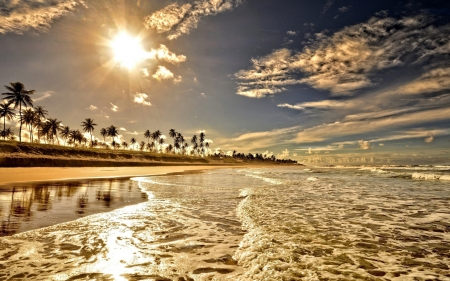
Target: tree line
46,129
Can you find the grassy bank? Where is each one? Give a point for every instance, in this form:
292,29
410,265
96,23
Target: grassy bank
15,154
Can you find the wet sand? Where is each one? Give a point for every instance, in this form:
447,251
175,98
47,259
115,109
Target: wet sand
17,175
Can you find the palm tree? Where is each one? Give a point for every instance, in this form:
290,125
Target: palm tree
202,140
7,113
142,145
173,134
194,143
54,127
125,144
76,136
133,141
155,137
104,133
18,95
28,118
65,133
88,126
113,132
169,148
161,143
147,135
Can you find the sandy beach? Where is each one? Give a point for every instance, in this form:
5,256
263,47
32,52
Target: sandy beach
17,175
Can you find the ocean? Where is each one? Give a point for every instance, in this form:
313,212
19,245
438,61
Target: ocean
272,223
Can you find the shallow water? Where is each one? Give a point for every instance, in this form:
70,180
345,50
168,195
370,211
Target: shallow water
252,224
31,206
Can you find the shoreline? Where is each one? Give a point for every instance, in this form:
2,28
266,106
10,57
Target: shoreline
42,174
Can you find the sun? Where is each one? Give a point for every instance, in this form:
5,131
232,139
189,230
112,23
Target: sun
127,50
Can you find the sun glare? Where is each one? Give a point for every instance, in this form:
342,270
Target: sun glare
127,50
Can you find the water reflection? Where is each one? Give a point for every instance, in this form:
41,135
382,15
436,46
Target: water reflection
31,206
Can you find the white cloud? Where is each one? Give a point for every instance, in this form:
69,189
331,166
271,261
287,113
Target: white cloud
292,33
381,144
122,129
92,107
432,81
145,72
141,98
337,129
323,104
177,80
19,16
162,73
163,53
114,107
43,96
176,19
203,95
350,58
283,154
364,144
429,138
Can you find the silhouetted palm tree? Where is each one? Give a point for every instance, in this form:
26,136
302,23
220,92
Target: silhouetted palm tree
104,133
28,118
7,112
194,143
18,95
65,133
88,126
125,144
133,141
113,132
161,143
76,136
142,145
155,137
55,126
147,135
202,140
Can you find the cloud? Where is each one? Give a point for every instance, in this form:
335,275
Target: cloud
44,95
114,108
92,107
145,72
429,138
381,144
327,6
349,59
22,15
176,19
292,33
122,129
203,95
162,73
432,81
141,98
324,104
284,154
364,144
347,128
163,53
344,8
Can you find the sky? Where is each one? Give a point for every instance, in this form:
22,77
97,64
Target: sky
326,82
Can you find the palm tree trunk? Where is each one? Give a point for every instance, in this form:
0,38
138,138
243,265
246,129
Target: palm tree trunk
4,127
20,128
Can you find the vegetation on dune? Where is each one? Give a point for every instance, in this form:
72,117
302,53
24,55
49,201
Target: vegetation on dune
47,130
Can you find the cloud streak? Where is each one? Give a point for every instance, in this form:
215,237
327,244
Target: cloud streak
22,15
177,20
